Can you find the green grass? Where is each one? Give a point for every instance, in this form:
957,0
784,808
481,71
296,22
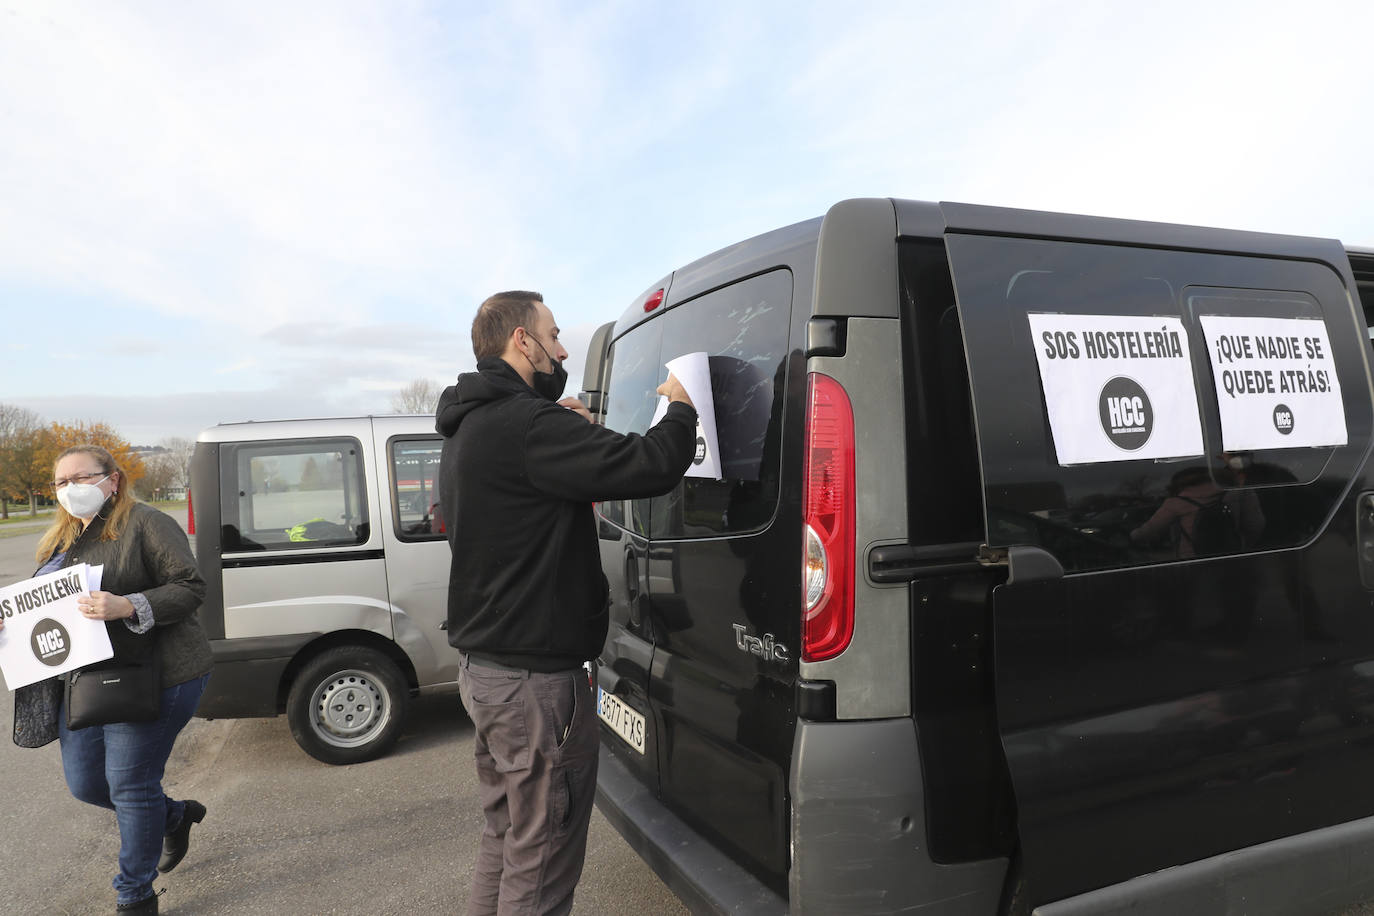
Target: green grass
31,530
19,516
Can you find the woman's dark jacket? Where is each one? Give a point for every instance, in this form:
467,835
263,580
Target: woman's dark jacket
151,556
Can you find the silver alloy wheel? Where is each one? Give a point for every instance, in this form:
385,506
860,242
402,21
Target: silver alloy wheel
351,707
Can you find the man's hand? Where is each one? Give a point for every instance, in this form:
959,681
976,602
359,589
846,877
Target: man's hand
576,406
673,391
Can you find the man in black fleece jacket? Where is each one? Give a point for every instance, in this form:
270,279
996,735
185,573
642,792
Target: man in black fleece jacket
527,599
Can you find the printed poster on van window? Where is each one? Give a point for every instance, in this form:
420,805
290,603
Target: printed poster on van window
45,632
1276,382
1117,387
693,370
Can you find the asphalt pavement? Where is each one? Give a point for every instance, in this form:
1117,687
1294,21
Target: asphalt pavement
285,834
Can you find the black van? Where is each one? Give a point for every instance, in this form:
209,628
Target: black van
1038,573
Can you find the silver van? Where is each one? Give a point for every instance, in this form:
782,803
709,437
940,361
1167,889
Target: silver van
323,548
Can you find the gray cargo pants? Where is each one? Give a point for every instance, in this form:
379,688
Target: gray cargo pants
536,748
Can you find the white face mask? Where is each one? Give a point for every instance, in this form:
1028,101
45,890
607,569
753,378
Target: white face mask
82,499
1236,464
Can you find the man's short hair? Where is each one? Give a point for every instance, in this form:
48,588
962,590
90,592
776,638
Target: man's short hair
500,315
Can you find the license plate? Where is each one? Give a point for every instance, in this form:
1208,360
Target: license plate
623,720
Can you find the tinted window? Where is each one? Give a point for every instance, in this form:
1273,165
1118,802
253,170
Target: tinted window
292,495
945,488
1363,268
612,511
743,330
415,489
636,371
1129,511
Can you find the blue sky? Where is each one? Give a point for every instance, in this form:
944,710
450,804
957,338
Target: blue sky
217,212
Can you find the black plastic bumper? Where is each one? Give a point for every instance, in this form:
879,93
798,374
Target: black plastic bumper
247,675
703,877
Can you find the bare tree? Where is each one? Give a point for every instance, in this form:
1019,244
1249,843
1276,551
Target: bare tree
420,396
20,429
179,451
159,472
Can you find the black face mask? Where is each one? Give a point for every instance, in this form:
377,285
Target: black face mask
549,385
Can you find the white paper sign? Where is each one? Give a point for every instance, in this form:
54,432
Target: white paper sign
45,633
1276,382
693,370
1117,388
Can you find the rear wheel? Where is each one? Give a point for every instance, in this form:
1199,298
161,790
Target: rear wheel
347,705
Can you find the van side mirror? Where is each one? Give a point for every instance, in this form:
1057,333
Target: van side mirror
595,370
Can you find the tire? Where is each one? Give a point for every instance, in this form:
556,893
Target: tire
347,705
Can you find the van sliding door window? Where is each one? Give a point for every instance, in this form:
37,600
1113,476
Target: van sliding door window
415,509
742,329
295,495
1095,373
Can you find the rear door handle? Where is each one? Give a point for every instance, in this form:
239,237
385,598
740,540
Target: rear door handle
633,591
905,562
1364,537
1028,563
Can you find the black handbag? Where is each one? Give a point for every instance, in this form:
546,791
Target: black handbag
123,693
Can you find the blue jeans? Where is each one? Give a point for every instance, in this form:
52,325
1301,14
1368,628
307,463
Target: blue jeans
119,767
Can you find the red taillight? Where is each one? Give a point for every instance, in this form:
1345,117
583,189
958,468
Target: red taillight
653,301
190,515
828,531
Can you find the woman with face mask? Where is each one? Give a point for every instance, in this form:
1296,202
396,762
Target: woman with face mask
149,595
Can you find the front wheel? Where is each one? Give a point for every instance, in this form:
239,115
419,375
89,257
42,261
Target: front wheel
346,705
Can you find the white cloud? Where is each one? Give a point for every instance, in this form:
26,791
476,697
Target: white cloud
242,174
1227,114
243,365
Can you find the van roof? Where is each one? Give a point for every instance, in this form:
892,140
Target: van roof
915,217
760,252
309,427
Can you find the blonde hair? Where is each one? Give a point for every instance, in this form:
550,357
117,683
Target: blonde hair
66,528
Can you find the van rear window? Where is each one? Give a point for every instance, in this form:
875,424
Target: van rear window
743,330
292,495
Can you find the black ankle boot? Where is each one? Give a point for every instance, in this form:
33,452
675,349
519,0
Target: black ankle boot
175,844
145,907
